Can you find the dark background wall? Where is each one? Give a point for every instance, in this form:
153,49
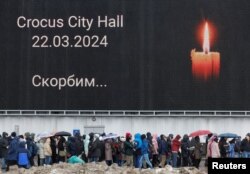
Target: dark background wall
146,65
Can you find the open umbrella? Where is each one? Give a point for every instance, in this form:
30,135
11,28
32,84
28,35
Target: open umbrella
109,136
43,135
62,133
229,135
199,133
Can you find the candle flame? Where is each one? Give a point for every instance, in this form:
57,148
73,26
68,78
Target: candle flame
206,40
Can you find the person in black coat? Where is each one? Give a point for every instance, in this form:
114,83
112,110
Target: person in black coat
71,147
163,150
185,144
94,149
53,148
3,149
245,146
61,149
224,146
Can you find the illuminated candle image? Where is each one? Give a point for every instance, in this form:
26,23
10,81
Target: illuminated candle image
206,64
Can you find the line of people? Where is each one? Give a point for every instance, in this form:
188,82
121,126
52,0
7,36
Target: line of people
142,150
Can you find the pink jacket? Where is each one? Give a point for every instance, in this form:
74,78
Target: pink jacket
155,144
213,150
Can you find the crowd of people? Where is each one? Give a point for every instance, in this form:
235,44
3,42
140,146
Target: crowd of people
142,150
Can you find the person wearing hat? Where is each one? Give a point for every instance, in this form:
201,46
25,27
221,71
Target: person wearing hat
129,150
245,146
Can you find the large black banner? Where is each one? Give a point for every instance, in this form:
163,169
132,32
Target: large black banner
125,54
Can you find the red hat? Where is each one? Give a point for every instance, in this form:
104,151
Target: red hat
177,137
128,135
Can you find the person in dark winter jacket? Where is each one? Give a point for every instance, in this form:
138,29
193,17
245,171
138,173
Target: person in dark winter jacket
150,145
175,149
79,144
12,151
185,145
71,147
169,149
224,146
3,149
197,152
162,150
61,149
144,151
23,156
245,146
53,148
129,150
32,148
94,149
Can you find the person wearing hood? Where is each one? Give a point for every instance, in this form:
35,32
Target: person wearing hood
213,150
138,144
3,149
245,146
155,151
144,151
47,152
129,150
12,151
23,156
94,149
175,149
185,145
197,152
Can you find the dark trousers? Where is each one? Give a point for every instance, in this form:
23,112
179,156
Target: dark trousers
197,163
155,160
185,161
10,163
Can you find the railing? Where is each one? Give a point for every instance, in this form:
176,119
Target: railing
129,113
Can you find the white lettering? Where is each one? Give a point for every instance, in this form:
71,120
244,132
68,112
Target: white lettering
89,83
214,165
33,80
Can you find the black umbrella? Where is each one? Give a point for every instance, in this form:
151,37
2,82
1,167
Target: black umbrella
62,133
